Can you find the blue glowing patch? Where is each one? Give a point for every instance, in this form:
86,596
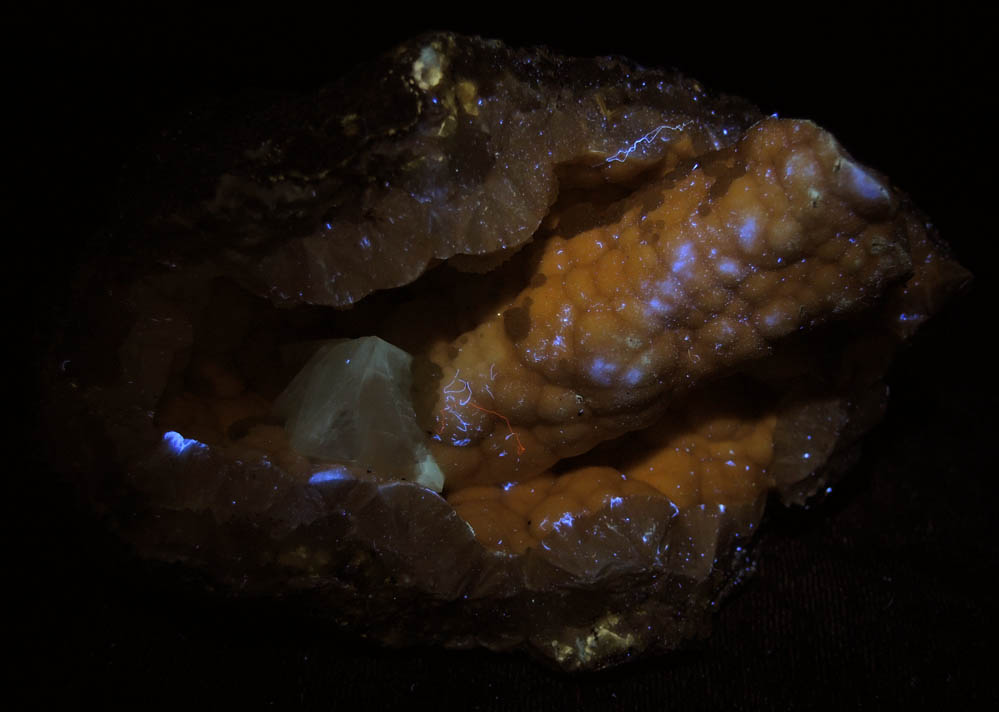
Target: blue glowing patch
647,139
863,183
330,475
659,306
565,520
773,319
729,268
682,257
178,443
747,233
602,371
671,288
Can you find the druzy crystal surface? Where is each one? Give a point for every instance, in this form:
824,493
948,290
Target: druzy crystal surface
583,319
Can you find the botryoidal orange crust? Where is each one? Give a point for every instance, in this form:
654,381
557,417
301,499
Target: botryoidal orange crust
704,271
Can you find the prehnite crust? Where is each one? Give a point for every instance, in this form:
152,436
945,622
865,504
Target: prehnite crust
616,310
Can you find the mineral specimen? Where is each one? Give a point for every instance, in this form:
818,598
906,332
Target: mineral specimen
603,312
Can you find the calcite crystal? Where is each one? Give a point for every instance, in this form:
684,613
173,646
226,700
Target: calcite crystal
351,403
576,321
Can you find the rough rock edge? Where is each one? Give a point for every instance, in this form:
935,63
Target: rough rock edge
312,216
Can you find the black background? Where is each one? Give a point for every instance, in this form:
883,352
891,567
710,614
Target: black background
882,597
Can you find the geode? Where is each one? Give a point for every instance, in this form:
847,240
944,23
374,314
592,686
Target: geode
482,346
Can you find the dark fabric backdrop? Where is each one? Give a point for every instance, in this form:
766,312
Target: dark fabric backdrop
881,598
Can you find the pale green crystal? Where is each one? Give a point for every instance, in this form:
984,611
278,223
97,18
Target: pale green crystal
351,404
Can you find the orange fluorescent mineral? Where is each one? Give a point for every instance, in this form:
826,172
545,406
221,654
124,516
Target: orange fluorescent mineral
489,346
706,269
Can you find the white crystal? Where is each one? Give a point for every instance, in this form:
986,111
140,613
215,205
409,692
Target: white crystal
351,403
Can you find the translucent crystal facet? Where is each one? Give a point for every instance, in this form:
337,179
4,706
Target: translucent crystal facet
351,403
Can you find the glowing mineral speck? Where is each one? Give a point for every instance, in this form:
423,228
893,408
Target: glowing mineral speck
330,475
178,444
428,69
748,232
